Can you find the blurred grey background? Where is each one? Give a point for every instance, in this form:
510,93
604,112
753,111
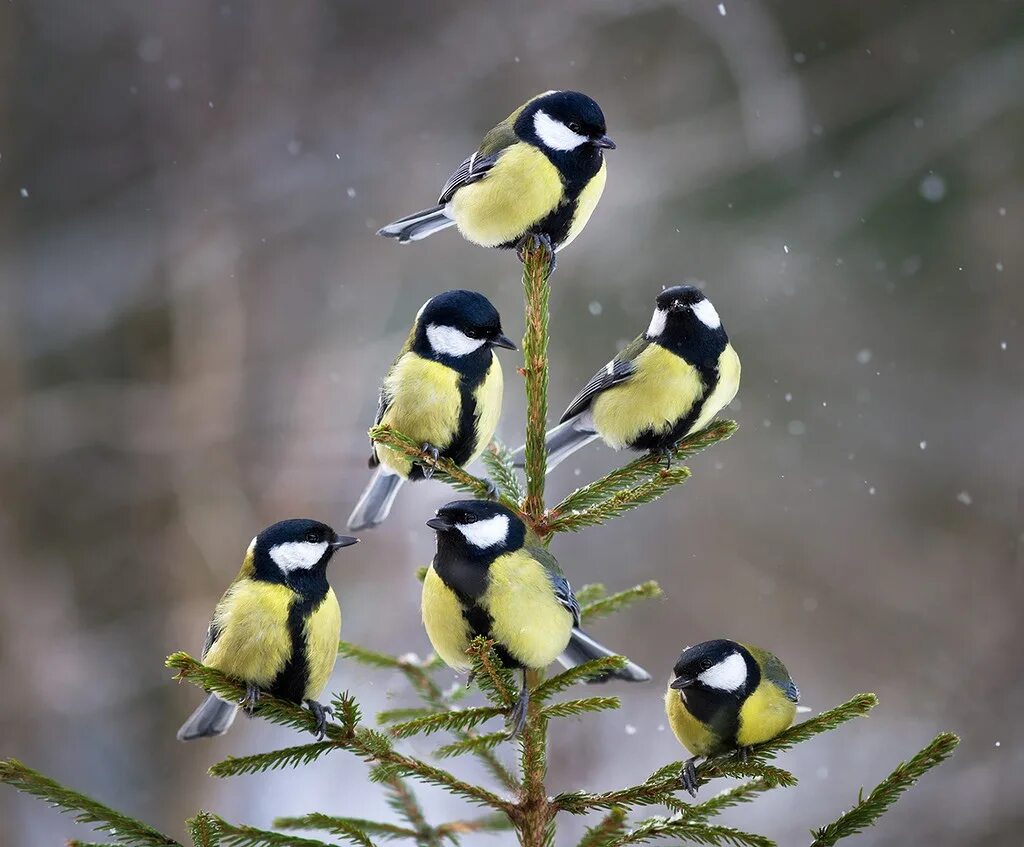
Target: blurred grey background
196,315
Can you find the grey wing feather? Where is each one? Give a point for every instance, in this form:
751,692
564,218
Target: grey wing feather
471,170
563,590
212,634
383,401
792,692
616,371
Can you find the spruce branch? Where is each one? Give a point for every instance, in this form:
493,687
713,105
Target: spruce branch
498,460
573,520
538,259
601,834
233,835
493,678
340,825
497,822
575,708
289,757
887,792
203,830
593,669
402,799
74,842
743,793
121,828
404,714
591,593
678,826
460,720
444,469
471,744
604,606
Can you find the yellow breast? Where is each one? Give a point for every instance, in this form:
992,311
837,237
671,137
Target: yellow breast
322,631
425,406
690,732
660,393
442,618
254,644
488,396
522,188
764,714
726,388
586,203
526,617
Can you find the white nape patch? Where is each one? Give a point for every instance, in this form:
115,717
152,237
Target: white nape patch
707,314
728,675
555,134
486,533
297,555
657,326
449,341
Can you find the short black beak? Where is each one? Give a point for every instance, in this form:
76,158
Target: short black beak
440,524
503,341
604,142
343,541
680,682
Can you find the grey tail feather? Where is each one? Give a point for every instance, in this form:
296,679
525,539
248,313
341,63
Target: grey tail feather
417,226
375,504
562,441
213,717
582,648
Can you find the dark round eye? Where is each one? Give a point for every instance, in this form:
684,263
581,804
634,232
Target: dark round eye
705,664
574,126
313,536
468,518
473,333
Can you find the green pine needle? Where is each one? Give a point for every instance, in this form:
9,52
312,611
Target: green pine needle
121,828
699,833
497,822
232,835
590,593
372,658
493,678
573,520
453,721
575,708
581,673
289,757
611,826
475,744
346,826
887,792
203,830
404,714
498,460
604,606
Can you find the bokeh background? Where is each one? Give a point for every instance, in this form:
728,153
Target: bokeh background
196,315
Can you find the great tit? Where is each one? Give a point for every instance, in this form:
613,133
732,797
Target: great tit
444,391
540,171
727,696
669,382
277,626
492,577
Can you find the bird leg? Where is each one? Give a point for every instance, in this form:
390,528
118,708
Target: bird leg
664,454
517,717
743,754
251,698
492,490
433,453
321,713
537,240
689,777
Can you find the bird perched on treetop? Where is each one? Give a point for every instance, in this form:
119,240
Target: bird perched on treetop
727,696
539,172
444,391
668,383
277,626
492,577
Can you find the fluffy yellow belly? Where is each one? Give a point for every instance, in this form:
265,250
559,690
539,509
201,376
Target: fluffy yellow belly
726,388
660,393
690,732
425,406
323,629
585,204
488,398
521,189
765,714
442,618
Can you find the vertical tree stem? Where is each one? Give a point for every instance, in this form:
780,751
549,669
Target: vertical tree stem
537,259
534,811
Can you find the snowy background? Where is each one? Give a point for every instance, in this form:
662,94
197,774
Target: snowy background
196,315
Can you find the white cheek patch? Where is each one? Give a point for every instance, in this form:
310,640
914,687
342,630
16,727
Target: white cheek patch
555,134
707,314
657,326
486,533
297,555
449,341
728,675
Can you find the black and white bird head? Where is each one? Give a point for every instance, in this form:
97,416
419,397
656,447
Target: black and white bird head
683,310
564,122
296,552
457,324
478,529
720,668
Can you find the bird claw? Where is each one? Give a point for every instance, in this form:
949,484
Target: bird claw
537,240
492,490
688,778
433,453
743,755
664,454
251,698
520,711
321,713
